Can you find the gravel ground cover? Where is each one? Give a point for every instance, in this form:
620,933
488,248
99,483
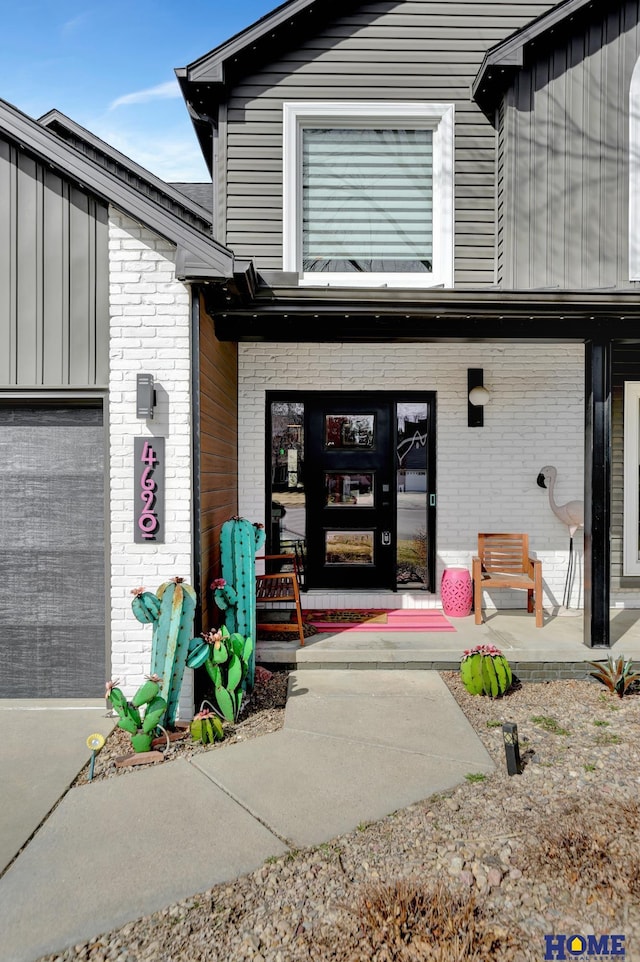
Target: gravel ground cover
481,873
262,712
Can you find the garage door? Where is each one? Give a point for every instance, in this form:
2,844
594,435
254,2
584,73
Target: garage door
52,581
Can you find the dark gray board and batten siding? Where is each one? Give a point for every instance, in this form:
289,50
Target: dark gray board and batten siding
54,329
563,162
387,51
54,278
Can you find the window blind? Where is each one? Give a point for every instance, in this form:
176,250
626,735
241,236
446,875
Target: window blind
367,198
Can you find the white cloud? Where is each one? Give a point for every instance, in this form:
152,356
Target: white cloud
166,91
71,26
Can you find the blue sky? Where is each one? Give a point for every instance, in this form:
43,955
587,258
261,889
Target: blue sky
109,66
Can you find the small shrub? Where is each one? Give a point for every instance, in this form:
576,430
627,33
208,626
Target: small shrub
608,738
600,723
475,777
406,921
617,675
494,724
596,855
549,725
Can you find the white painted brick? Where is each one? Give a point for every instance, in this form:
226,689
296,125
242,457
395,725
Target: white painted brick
135,253
486,477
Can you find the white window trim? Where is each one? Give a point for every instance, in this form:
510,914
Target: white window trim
437,117
631,503
634,174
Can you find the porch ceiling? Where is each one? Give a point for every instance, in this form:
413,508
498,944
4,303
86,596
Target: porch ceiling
333,314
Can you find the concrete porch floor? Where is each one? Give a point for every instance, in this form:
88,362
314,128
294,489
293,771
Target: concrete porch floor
554,651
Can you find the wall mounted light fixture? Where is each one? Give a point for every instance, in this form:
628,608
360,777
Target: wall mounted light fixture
478,396
145,396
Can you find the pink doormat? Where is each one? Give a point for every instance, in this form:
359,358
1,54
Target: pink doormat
377,619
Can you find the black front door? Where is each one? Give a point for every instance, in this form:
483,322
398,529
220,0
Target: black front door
350,492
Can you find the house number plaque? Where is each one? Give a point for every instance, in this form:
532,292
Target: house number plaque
148,493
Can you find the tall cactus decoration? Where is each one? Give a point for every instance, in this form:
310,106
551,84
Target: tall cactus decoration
171,612
235,592
226,658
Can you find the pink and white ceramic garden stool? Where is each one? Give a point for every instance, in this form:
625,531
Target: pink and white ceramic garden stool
456,592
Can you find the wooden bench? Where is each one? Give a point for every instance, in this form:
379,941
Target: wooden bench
276,588
503,562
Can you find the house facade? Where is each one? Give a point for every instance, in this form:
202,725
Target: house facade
430,191
407,199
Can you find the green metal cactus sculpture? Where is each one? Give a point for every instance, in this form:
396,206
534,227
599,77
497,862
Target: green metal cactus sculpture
206,727
140,727
171,612
235,592
485,671
227,660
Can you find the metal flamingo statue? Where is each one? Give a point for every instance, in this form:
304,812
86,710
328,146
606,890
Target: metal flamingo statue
571,514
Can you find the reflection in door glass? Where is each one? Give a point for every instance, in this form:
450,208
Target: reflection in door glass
287,478
349,547
411,485
349,431
351,490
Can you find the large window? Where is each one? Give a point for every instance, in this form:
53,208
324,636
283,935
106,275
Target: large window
368,194
634,174
631,537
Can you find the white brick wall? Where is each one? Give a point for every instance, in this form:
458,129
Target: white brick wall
150,331
486,477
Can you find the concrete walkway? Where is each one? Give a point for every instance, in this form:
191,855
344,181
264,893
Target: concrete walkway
43,746
355,746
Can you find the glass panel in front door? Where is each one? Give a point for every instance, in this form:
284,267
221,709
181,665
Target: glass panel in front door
287,520
412,567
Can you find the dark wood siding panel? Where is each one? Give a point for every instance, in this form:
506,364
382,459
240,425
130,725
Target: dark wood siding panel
54,276
567,191
413,51
218,450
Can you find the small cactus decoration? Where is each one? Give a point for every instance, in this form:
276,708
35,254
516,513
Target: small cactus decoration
171,611
206,727
485,671
140,727
617,675
226,658
235,592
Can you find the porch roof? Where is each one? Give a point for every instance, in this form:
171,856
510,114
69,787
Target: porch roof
285,313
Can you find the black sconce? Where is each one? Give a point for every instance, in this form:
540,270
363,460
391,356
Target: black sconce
145,396
477,397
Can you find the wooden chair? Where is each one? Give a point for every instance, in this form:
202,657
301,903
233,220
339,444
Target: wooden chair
276,588
503,562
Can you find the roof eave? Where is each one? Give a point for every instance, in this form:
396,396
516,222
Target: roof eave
51,149
502,60
54,119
